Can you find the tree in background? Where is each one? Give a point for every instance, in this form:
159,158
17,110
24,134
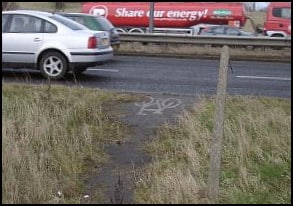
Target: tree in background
60,6
9,6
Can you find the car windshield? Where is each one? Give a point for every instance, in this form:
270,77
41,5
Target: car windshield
67,22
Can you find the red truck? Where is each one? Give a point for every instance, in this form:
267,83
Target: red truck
278,20
191,16
134,16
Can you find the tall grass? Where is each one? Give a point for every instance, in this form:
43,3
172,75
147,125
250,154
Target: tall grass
256,160
258,18
50,137
204,51
49,6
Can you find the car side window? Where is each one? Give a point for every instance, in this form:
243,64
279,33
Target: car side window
68,22
4,21
32,25
17,24
49,27
231,31
218,30
282,12
25,24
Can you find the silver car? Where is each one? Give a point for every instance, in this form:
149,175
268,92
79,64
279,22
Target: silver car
96,23
51,43
223,30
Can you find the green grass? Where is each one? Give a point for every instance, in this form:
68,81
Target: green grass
51,136
256,157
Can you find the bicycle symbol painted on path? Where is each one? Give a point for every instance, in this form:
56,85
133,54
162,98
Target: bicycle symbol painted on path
157,106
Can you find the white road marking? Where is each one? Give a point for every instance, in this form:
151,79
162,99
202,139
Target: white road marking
160,105
106,70
258,77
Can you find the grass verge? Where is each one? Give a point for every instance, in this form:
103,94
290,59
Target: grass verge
194,51
256,156
50,138
49,6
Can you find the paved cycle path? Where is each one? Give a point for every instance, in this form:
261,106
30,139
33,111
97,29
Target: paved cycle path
144,117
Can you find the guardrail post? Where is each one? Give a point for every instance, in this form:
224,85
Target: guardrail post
218,130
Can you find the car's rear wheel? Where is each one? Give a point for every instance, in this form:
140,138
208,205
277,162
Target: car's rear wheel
53,65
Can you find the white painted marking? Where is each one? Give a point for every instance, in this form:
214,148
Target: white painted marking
106,70
258,77
160,105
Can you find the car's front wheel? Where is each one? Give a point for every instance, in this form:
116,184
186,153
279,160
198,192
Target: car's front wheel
53,65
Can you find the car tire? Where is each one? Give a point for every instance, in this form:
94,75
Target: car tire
53,65
277,35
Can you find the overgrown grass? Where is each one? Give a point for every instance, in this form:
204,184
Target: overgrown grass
49,6
256,157
51,136
204,51
258,17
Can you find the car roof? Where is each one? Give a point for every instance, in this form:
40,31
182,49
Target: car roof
220,26
23,11
41,14
79,14
225,26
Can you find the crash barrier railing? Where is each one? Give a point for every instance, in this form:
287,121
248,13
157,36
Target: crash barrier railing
187,32
256,41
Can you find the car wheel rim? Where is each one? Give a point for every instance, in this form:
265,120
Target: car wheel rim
53,66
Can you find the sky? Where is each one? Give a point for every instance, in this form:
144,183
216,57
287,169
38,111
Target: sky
261,5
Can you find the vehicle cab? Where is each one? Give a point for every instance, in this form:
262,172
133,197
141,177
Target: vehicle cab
278,20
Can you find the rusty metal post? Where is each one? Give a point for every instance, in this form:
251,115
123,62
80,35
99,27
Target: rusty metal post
218,131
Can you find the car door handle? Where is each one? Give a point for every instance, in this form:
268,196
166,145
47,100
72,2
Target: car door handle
37,39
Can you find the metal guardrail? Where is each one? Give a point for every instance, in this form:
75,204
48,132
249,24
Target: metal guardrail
257,41
186,32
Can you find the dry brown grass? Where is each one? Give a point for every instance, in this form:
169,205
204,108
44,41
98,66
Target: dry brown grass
51,137
258,18
49,6
256,161
193,51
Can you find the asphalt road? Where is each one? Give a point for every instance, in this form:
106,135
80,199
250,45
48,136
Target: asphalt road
177,76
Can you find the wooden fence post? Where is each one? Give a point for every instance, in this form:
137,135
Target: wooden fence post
218,130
